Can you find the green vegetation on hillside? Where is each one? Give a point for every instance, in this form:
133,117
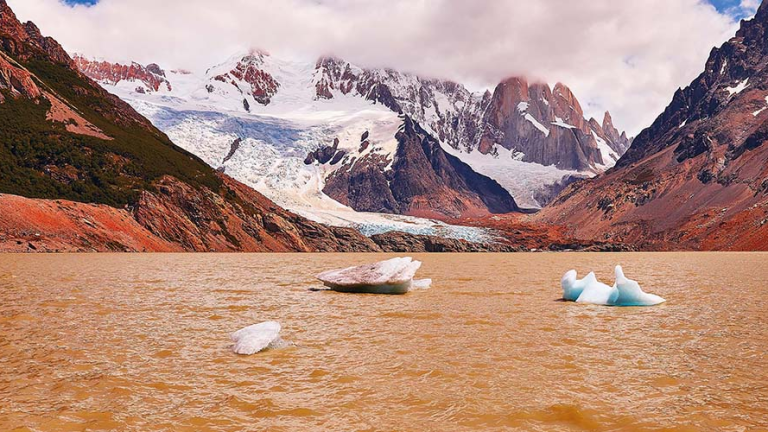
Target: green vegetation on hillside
40,159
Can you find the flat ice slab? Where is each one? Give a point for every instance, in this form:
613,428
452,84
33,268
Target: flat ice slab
256,338
625,292
393,276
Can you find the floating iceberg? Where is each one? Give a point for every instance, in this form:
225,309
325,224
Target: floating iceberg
256,338
393,276
625,292
630,293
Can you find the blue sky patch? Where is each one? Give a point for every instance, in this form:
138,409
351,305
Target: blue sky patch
81,2
732,7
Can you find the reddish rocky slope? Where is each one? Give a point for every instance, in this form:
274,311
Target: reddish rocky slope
698,177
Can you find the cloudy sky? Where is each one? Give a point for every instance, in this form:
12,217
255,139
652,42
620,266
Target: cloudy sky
624,56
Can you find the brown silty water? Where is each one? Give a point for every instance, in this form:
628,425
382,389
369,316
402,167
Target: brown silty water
141,342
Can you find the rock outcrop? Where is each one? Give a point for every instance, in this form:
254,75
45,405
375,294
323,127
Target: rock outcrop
149,78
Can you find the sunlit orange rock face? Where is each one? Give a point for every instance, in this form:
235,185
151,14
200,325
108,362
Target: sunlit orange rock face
698,177
17,81
548,127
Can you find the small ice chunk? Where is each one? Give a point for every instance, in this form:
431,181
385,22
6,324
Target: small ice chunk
256,338
422,283
630,293
393,276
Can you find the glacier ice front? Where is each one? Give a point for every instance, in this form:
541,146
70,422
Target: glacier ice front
625,292
394,276
256,338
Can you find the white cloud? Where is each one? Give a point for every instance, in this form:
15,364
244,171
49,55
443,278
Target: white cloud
626,56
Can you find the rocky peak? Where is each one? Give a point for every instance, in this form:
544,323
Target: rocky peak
546,127
420,179
14,35
9,24
731,86
617,140
331,74
250,78
565,98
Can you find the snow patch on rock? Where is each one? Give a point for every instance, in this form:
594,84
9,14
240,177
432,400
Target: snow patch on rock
740,87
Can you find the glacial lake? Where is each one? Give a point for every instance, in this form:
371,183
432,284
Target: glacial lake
141,343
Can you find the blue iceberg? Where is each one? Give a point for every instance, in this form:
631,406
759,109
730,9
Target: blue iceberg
625,292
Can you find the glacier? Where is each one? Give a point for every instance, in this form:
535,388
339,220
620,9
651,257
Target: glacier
625,292
272,143
206,116
394,276
256,338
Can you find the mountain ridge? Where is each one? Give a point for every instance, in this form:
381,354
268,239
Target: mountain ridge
697,178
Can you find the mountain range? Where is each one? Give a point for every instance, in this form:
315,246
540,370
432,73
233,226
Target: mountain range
328,136
80,170
263,153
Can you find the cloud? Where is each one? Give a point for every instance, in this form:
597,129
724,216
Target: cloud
625,56
744,9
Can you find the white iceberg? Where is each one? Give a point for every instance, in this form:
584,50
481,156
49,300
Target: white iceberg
393,276
256,338
625,292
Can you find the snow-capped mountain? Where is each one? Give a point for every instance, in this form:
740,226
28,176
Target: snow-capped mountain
320,137
536,123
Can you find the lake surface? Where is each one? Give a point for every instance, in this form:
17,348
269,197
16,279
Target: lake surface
141,342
